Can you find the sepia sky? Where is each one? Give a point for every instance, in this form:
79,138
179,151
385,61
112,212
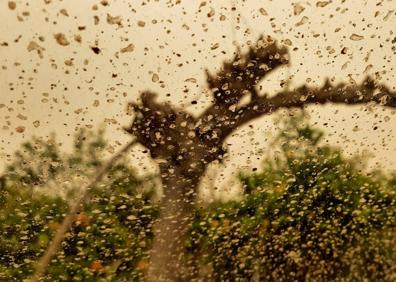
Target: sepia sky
72,64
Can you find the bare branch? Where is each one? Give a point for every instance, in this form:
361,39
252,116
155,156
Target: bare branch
366,92
78,204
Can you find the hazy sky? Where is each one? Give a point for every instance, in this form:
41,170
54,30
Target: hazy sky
167,46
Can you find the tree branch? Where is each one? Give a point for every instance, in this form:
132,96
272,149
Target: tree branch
245,71
363,93
167,131
237,79
67,222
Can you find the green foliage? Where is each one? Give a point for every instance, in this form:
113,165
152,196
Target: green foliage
25,232
109,240
310,215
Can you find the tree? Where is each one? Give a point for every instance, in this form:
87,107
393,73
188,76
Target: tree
186,144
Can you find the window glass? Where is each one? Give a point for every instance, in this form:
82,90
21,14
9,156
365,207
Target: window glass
181,140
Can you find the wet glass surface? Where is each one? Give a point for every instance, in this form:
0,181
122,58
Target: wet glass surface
185,140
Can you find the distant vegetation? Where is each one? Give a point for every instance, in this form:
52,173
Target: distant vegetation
310,214
110,239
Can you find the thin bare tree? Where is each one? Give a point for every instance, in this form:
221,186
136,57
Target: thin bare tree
76,207
186,144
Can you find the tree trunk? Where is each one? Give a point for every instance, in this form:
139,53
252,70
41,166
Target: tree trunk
167,262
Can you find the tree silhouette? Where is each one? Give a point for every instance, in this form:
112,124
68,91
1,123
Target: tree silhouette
186,145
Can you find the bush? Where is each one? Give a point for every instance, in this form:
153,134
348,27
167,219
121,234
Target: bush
309,215
109,240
